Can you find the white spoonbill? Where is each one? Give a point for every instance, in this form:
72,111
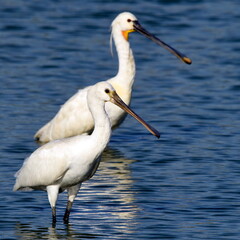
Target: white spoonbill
64,164
74,117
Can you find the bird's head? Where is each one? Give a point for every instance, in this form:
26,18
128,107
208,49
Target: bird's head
126,22
104,92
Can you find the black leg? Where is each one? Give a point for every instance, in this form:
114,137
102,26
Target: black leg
67,212
54,218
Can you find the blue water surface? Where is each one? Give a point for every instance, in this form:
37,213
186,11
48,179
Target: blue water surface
183,186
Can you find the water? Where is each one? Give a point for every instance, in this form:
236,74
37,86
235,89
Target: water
183,186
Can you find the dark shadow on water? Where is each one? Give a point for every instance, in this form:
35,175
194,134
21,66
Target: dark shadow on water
26,231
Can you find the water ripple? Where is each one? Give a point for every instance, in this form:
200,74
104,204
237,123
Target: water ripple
183,186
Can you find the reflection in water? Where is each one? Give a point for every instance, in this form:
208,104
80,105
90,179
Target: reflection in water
25,232
110,191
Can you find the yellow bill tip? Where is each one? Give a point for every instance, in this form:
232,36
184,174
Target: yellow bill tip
187,60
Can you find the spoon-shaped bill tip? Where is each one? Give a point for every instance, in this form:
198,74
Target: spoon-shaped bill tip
155,132
187,60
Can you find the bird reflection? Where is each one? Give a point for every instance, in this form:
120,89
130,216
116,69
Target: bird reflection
110,191
26,231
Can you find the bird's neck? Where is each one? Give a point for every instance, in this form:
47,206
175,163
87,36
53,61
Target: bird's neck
126,69
102,125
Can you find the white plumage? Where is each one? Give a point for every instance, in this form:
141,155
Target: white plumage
64,164
74,117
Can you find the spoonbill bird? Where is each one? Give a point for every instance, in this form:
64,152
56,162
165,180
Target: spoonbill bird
64,164
74,117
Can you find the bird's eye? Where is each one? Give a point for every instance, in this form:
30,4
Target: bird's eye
129,20
107,90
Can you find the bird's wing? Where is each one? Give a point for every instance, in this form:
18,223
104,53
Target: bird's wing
46,166
73,118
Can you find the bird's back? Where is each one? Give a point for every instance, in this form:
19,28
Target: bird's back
73,118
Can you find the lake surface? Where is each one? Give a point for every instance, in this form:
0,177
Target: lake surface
183,186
